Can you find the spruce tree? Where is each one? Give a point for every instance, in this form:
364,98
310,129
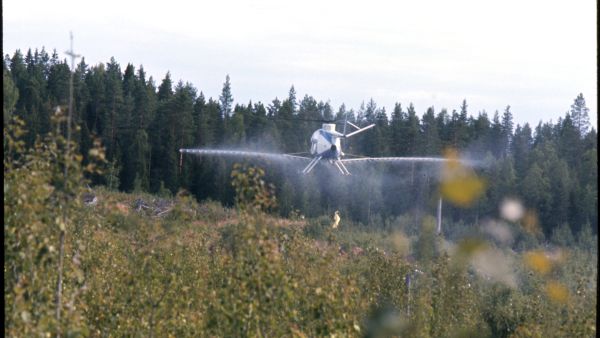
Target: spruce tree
32,105
216,122
181,126
325,110
139,152
127,130
160,138
113,113
579,113
411,128
11,95
480,129
292,100
235,129
383,134
201,133
94,113
58,84
443,121
308,115
460,126
259,124
396,129
496,136
429,134
569,141
520,149
81,95
226,98
506,131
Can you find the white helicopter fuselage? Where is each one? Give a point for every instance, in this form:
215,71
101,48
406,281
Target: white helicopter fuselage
326,143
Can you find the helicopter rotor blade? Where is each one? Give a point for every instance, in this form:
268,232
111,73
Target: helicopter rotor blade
299,119
360,130
353,125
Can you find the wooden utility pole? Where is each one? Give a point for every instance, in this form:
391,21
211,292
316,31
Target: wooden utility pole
61,254
439,216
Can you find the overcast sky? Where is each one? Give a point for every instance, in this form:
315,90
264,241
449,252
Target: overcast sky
534,55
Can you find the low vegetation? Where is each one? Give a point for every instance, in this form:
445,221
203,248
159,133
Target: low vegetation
199,269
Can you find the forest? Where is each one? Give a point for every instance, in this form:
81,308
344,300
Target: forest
551,167
128,272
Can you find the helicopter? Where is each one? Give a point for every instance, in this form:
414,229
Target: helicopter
326,146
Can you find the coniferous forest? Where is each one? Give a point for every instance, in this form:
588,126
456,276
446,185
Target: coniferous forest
142,125
228,260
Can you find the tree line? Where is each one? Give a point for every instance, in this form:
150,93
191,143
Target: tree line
551,167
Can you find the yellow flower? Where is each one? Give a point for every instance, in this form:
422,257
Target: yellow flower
557,292
460,185
530,222
538,261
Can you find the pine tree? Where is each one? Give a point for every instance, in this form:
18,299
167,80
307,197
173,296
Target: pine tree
375,142
506,131
585,196
480,130
370,112
95,110
201,134
536,192
561,190
396,129
181,126
383,134
460,126
259,124
325,110
127,114
43,60
226,98
216,122
81,96
127,130
274,108
443,124
308,115
19,74
543,133
569,142
545,158
144,97
429,134
579,113
58,84
235,129
139,152
114,108
496,135
521,147
292,100
32,105
341,115
160,138
11,95
410,132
